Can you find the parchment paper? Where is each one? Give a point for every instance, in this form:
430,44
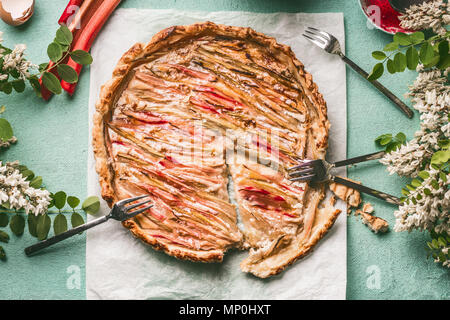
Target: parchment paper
118,266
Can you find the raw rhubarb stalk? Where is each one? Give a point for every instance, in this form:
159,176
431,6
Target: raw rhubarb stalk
69,11
88,34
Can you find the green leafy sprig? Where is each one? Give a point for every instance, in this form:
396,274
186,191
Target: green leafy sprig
40,226
391,143
57,52
408,50
435,246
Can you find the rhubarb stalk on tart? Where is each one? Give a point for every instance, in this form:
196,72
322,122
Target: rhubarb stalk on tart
200,105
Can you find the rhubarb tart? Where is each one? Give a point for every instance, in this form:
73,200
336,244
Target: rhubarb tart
205,119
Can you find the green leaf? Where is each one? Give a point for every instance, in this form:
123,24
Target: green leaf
385,140
60,199
444,56
73,202
435,184
36,182
434,244
442,242
426,53
17,224
381,137
427,191
64,35
377,72
416,183
402,38
4,220
440,156
28,174
391,46
400,62
443,176
434,61
400,137
6,87
34,82
2,254
18,85
32,224
379,55
6,131
43,66
405,192
412,58
424,175
76,220
60,224
91,205
51,82
54,52
417,37
391,66
4,237
43,226
67,73
81,57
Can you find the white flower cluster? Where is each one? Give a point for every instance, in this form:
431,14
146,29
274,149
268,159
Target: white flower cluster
432,98
15,61
428,206
429,212
16,193
433,14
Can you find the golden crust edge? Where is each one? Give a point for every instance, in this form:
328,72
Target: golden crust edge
163,38
306,249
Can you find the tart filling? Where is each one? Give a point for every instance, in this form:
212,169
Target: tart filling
196,105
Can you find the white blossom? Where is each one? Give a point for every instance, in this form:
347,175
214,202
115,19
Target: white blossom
16,61
16,192
427,206
432,14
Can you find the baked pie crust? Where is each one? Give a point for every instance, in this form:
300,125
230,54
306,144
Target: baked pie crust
197,81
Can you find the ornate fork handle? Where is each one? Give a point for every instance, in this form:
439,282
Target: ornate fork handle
367,157
381,195
403,107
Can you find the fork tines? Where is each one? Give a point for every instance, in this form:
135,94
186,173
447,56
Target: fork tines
319,38
128,209
303,172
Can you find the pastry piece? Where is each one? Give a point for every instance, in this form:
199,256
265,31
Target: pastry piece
349,195
376,224
196,104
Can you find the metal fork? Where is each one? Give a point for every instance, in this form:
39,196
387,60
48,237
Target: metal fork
119,212
330,44
320,171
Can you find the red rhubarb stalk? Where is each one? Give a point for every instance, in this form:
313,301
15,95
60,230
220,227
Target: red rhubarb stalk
88,34
69,11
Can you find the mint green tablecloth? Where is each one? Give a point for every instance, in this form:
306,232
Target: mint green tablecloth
53,140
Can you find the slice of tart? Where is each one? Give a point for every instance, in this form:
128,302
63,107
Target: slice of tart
194,106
